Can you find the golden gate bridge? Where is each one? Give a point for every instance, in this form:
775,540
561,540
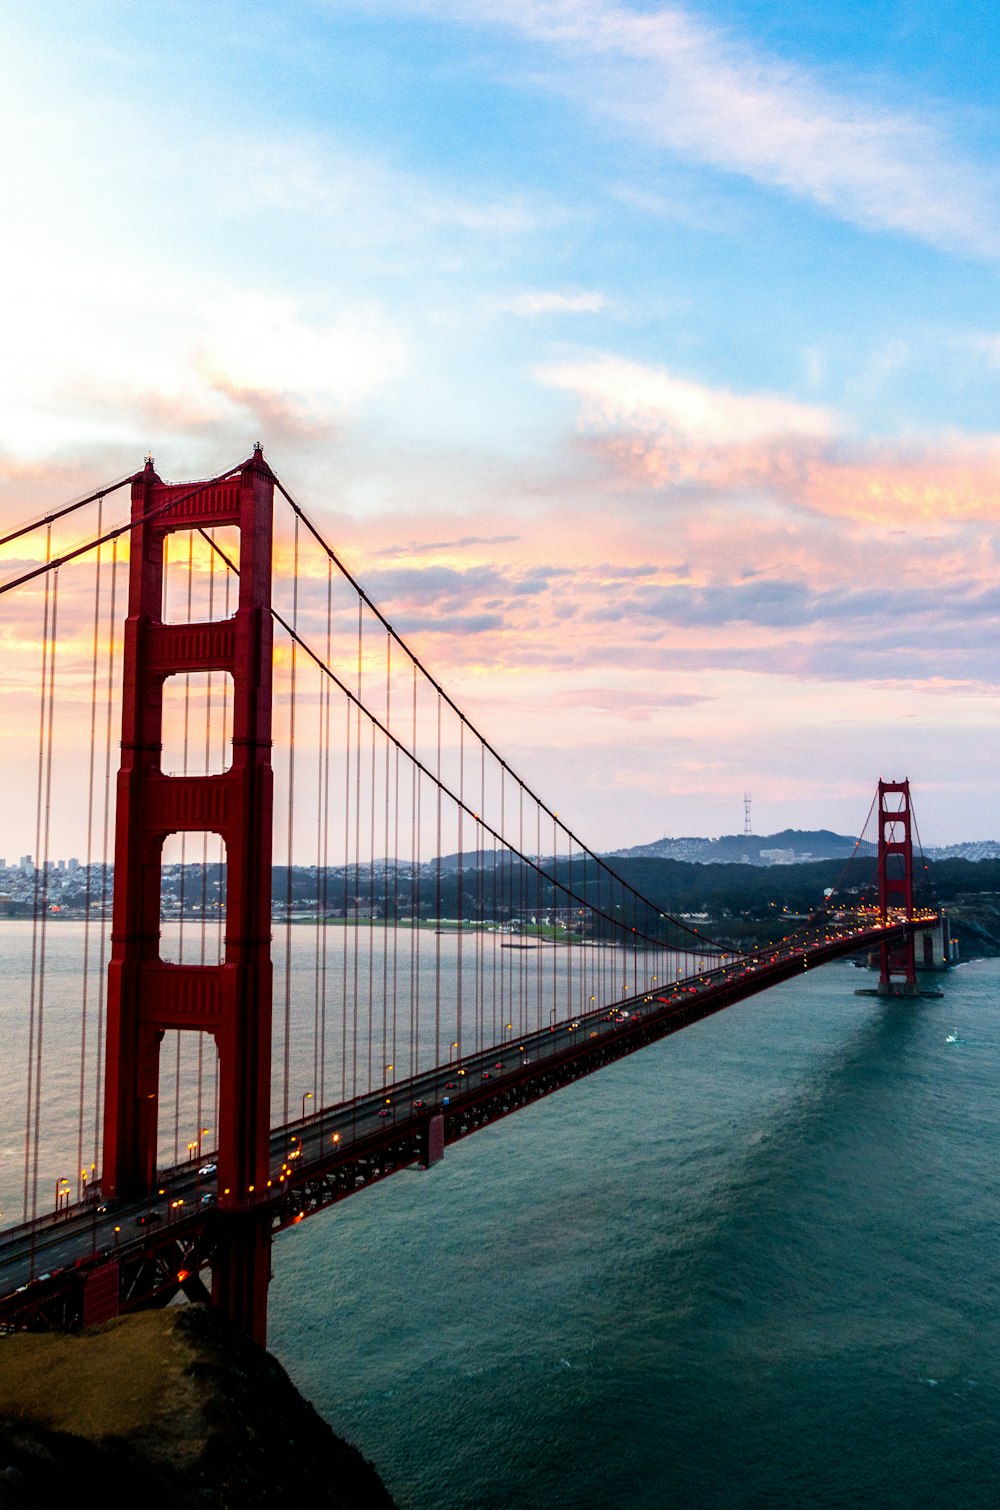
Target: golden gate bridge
344,931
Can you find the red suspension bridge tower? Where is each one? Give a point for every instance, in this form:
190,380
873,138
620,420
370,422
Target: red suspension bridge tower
895,885
230,1001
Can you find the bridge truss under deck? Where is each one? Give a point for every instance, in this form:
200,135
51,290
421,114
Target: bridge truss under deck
107,1267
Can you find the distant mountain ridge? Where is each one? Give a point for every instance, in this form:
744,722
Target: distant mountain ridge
792,846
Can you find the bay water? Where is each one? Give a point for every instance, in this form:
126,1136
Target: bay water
756,1265
753,1266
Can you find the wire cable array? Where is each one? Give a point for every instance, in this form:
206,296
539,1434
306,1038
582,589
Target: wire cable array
428,905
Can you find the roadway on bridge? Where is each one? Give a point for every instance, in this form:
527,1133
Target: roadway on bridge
185,1197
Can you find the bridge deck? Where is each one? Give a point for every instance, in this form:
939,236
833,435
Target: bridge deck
161,1243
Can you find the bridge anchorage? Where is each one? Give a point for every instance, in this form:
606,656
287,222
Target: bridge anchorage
452,952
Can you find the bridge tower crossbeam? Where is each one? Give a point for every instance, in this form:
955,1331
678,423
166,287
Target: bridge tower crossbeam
230,1001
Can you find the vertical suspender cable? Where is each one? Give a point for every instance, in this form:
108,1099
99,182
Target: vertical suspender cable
555,918
325,894
204,852
222,899
481,913
437,901
386,1055
105,841
45,891
90,856
522,907
30,1130
291,832
348,716
318,1103
180,939
497,951
355,941
395,901
505,868
461,909
538,903
371,922
570,927
416,846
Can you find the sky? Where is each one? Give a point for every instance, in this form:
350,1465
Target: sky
642,361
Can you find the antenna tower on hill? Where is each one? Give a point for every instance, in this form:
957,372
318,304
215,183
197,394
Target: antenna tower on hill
747,826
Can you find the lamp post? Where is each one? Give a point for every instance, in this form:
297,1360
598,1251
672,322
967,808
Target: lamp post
62,1194
306,1096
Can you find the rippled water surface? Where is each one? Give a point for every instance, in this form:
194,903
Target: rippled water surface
755,1265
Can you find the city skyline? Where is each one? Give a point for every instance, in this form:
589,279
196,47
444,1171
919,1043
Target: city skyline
640,361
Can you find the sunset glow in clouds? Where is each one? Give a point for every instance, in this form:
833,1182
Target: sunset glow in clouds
642,362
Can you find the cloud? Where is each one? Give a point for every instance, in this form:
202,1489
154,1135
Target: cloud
433,547
251,310
628,703
237,360
774,602
706,95
664,433
985,346
307,177
529,305
436,583
455,623
616,393
256,348
911,484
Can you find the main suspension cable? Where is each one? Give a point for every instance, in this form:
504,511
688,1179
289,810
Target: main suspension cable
69,508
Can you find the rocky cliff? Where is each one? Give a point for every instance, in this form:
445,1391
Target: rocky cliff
171,1408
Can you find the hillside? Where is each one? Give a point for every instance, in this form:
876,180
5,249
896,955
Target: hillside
789,846
166,1408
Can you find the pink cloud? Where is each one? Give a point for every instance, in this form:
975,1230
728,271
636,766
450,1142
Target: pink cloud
663,433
